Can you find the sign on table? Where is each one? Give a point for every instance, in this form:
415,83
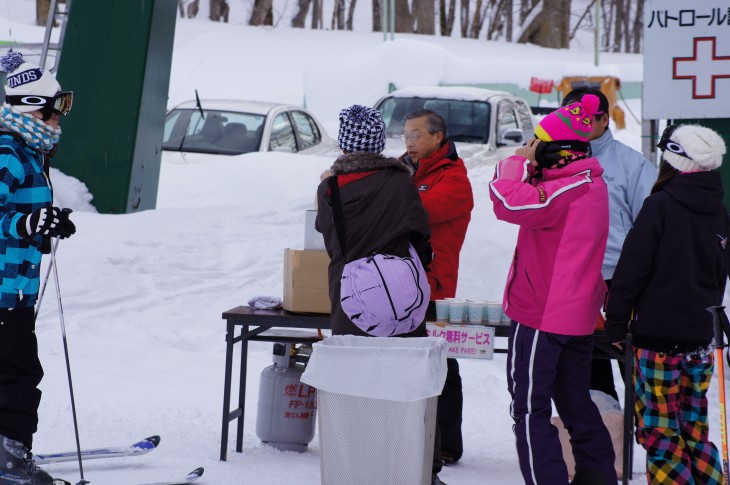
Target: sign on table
472,341
686,59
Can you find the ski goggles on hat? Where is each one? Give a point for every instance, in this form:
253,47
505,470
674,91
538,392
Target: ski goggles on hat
549,153
60,103
665,143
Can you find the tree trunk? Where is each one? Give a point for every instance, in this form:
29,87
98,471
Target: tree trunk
181,7
627,21
638,26
617,26
377,15
478,20
219,10
531,27
301,16
508,18
447,17
350,14
403,17
262,13
193,8
425,17
464,17
317,20
338,15
42,7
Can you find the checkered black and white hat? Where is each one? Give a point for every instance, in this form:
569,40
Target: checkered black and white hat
361,130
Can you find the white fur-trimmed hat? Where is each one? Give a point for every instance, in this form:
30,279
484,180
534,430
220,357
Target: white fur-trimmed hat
700,149
362,129
27,79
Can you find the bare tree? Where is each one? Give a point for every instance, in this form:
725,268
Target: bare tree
338,15
351,14
425,16
262,13
403,17
546,23
219,10
317,19
464,17
618,31
377,15
181,7
638,26
301,16
193,8
446,18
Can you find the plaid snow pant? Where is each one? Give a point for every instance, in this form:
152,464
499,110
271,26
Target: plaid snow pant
671,412
542,366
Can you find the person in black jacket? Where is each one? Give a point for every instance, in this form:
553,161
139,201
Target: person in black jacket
673,266
381,207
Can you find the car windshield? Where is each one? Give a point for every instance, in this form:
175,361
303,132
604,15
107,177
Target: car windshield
466,121
219,132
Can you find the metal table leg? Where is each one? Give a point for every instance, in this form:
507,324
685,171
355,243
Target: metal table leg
242,388
227,390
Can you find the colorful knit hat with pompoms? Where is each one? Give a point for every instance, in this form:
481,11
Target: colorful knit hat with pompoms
27,81
362,129
571,122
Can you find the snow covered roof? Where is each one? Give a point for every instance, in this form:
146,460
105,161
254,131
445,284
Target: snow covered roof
464,93
239,105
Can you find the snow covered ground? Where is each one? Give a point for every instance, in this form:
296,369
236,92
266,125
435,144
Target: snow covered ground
143,293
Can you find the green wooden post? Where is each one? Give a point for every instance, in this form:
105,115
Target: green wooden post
722,126
116,58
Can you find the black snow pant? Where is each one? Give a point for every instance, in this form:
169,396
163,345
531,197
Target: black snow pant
20,374
449,444
602,373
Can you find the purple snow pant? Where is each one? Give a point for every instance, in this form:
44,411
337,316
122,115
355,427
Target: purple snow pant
541,366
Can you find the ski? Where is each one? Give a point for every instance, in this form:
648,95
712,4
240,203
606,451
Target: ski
192,476
139,448
59,481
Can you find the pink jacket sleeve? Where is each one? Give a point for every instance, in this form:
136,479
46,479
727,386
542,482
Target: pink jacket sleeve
536,206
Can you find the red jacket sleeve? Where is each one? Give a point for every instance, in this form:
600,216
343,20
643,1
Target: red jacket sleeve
450,198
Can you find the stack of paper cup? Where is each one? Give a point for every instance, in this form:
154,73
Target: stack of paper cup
476,311
457,309
494,312
442,310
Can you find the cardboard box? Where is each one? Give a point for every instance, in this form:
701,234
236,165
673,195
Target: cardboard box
471,341
306,287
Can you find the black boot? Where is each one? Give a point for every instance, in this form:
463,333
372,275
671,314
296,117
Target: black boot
17,466
589,475
435,480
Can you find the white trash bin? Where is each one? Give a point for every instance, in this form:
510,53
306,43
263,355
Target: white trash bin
376,404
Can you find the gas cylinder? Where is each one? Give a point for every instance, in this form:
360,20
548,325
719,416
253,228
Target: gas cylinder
287,408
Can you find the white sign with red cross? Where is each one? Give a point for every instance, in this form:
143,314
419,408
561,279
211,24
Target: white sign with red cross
686,59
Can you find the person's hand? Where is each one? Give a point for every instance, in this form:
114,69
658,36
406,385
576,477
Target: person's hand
528,151
327,173
46,221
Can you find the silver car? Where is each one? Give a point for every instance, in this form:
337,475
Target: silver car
485,125
234,127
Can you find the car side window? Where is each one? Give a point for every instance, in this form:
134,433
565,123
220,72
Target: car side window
525,118
282,135
307,130
508,131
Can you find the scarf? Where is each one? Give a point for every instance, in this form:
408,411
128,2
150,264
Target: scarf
35,133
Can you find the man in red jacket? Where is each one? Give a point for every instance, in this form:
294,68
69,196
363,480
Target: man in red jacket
447,196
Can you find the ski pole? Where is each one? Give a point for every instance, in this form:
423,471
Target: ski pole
45,279
68,364
718,314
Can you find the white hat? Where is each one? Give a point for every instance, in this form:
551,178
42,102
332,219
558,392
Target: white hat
27,79
700,149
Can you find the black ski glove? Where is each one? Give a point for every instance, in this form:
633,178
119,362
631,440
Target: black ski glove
46,221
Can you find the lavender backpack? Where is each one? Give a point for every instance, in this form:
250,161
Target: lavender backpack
382,294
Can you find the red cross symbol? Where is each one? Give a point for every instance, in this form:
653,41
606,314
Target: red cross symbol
703,68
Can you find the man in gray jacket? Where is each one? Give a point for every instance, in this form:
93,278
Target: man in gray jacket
629,177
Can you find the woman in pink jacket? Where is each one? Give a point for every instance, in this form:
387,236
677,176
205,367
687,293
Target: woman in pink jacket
553,190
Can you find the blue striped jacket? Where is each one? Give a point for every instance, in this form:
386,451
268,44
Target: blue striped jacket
24,187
